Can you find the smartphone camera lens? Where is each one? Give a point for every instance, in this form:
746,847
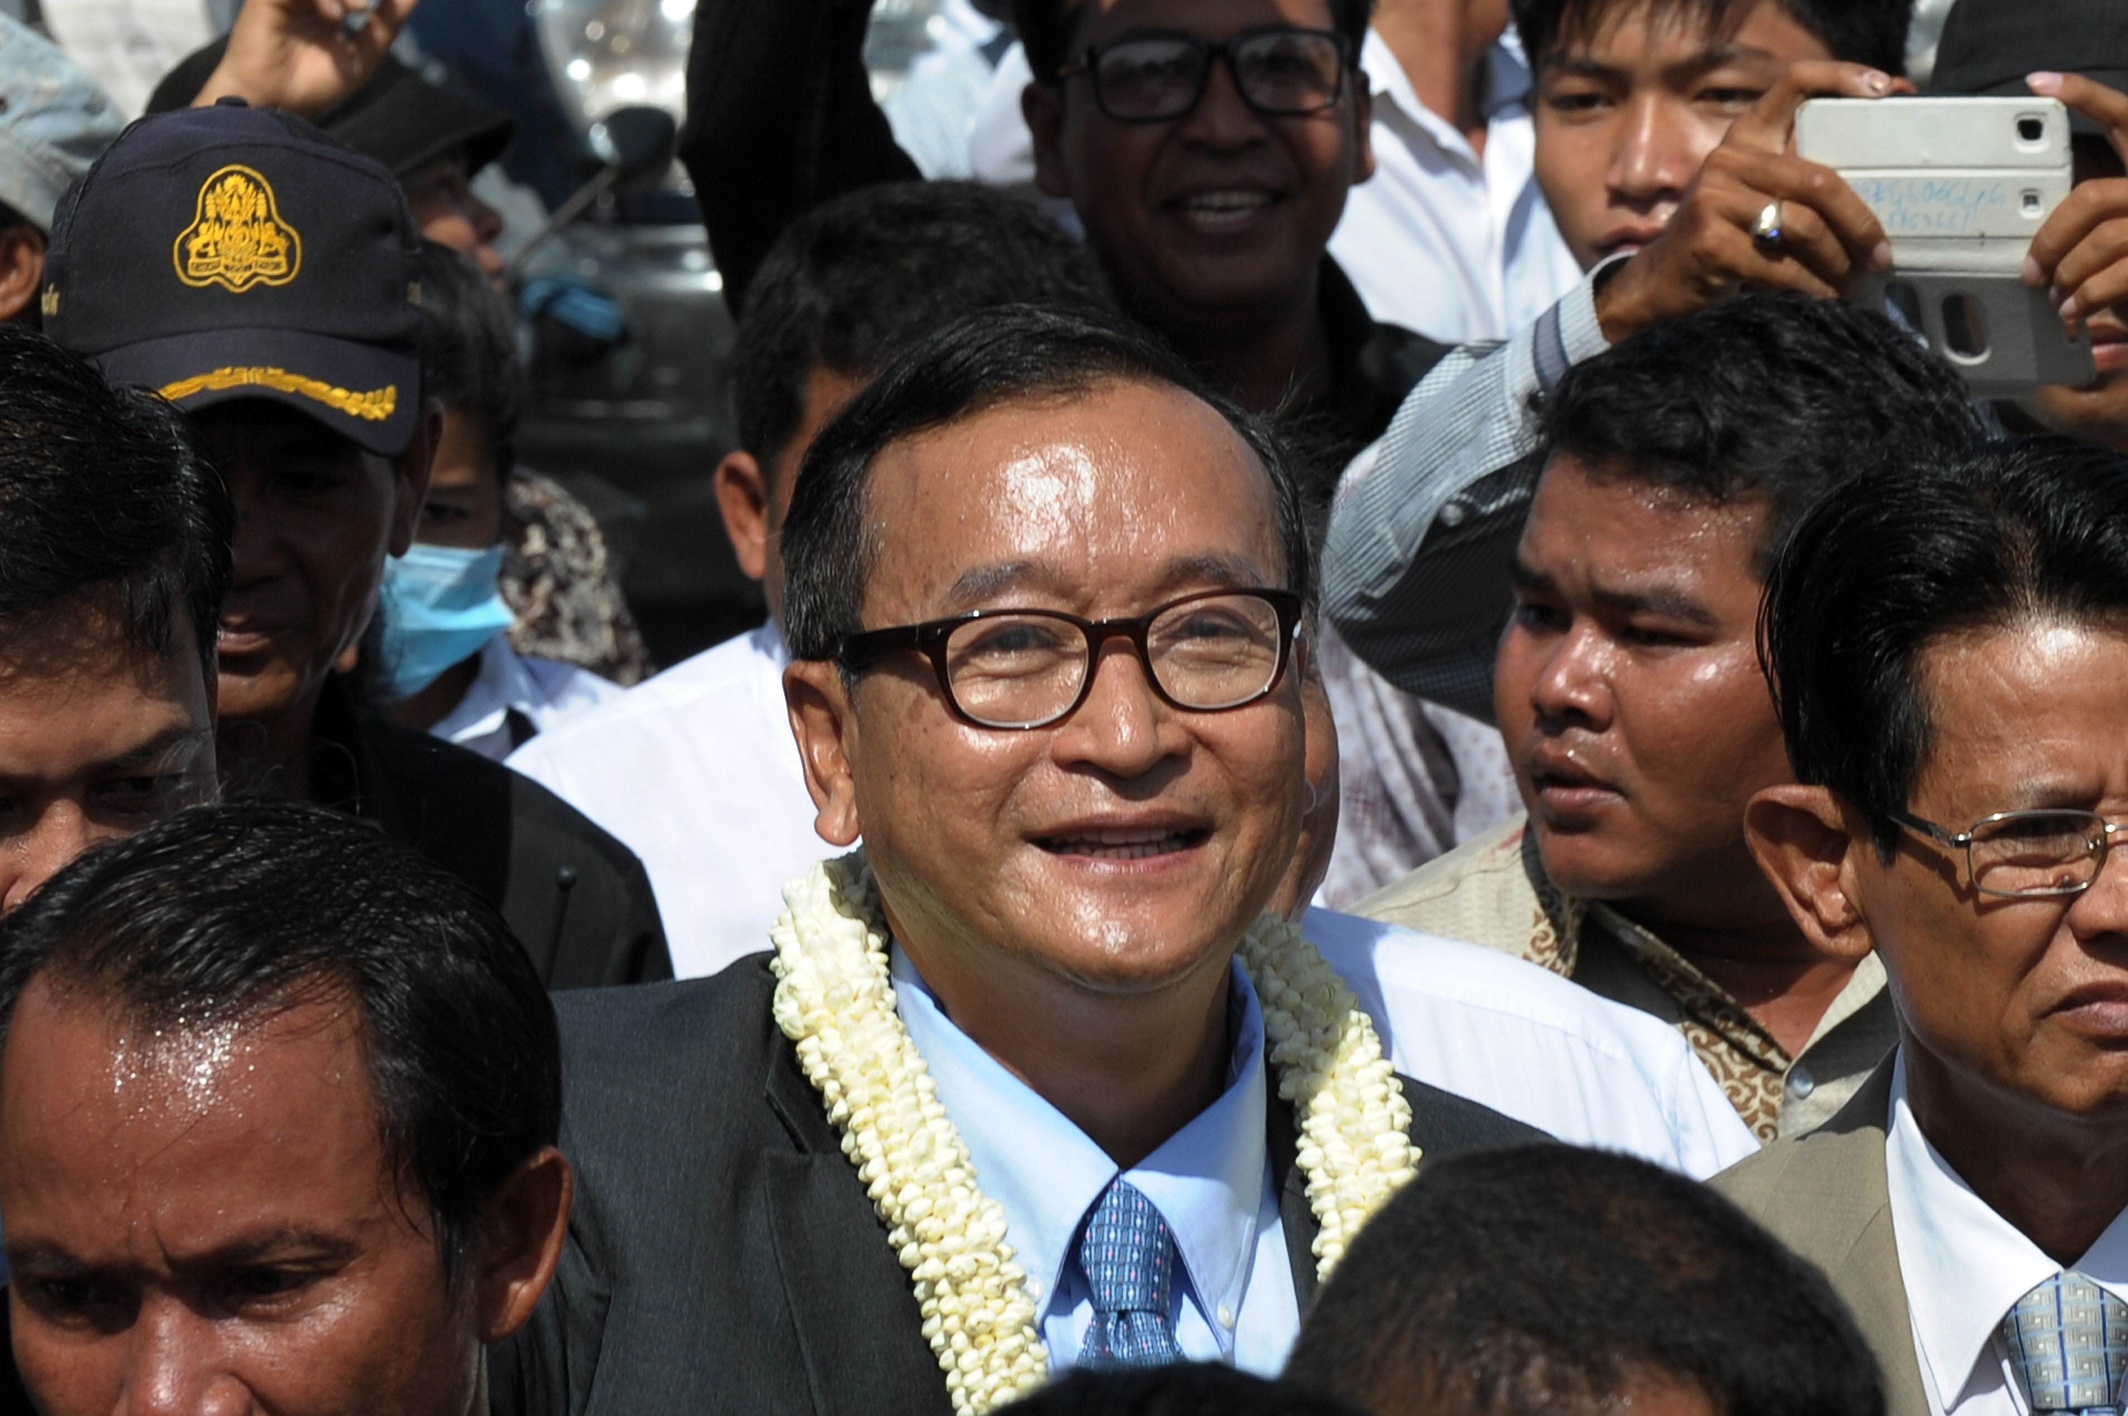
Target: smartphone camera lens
2031,130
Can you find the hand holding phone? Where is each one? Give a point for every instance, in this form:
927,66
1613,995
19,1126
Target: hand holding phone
1962,185
1709,251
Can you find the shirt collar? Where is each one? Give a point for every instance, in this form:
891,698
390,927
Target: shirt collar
1207,1180
502,684
1507,89
1963,1265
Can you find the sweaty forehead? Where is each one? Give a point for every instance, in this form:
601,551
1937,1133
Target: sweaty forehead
1615,518
1097,501
194,1129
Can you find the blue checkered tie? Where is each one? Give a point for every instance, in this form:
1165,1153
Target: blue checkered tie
1128,1254
2070,1339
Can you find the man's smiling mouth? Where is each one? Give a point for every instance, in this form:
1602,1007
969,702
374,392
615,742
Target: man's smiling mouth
1123,844
1224,210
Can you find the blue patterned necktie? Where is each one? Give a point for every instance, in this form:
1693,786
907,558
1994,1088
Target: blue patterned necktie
2070,1339
1128,1255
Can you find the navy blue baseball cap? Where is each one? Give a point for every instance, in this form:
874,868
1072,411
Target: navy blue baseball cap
229,252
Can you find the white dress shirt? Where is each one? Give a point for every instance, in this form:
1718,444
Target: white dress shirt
697,773
933,113
1534,1046
1457,246
541,693
1233,1298
1964,1267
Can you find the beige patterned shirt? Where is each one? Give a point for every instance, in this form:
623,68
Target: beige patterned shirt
1494,891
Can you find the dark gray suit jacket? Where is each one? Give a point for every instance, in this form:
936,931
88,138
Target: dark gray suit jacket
723,1256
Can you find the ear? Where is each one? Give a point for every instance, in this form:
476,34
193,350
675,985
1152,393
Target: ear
1803,842
742,499
410,476
1363,115
21,270
1042,105
521,1238
823,721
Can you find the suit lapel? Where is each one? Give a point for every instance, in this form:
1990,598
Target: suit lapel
1862,1255
1296,1215
1876,1294
849,1299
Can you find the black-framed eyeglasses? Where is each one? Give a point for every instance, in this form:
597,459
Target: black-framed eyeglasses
2026,855
1282,71
1018,670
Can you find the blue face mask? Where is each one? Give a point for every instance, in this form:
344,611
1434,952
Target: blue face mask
440,608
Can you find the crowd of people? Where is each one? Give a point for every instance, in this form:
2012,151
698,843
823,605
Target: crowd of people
1481,798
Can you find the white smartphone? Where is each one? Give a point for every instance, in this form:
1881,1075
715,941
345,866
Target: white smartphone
1961,185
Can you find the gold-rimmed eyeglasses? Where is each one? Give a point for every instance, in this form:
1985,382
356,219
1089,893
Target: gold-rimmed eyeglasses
2026,855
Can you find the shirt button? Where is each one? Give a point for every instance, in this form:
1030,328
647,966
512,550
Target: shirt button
1800,1083
1452,515
1226,1316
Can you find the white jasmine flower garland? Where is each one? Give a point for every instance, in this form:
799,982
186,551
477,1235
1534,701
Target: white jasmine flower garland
835,1001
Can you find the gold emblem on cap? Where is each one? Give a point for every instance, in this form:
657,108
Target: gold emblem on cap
237,238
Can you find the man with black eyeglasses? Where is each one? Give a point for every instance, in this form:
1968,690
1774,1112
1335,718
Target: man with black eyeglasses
1033,1081
1950,640
1207,147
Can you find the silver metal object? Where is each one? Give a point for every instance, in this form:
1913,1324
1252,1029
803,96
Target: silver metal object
1767,229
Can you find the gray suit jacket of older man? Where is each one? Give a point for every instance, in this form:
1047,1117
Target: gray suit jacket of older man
1825,1196
723,1255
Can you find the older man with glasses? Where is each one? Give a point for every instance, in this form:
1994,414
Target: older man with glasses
1034,1082
1950,642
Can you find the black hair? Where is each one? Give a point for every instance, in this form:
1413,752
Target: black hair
858,279
469,360
1869,32
234,913
1015,353
10,217
1892,562
1184,1389
103,493
1047,28
1548,1279
1764,398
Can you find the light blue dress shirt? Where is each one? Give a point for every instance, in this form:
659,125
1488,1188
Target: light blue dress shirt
1211,1182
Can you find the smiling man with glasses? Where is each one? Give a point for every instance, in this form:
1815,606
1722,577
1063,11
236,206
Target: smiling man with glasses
1950,643
1208,147
1034,1082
